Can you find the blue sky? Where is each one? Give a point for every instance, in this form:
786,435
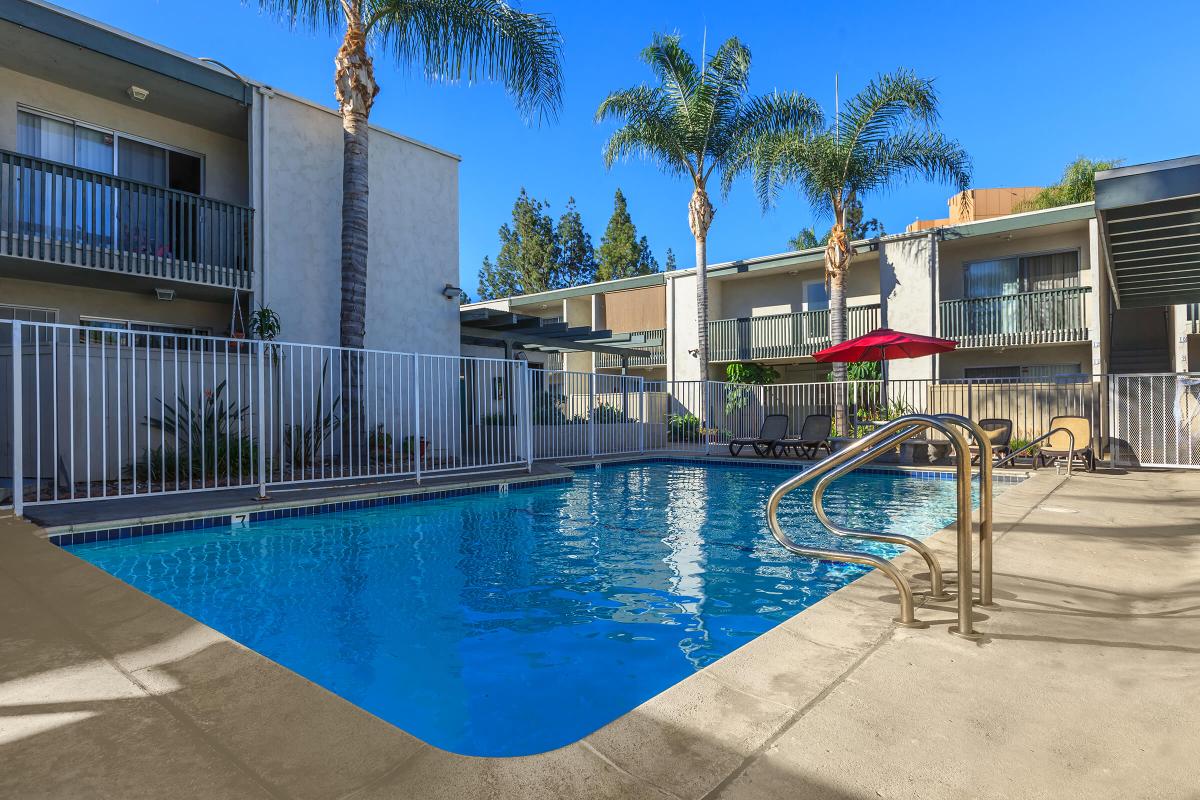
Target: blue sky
1025,87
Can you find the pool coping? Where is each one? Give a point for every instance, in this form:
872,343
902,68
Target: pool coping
682,743
477,483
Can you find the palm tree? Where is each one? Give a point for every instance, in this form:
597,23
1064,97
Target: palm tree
1077,185
447,40
691,123
886,134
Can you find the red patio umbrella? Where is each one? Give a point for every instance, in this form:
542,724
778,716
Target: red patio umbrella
885,344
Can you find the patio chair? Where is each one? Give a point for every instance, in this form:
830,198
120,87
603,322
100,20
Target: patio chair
814,435
1000,432
1058,445
774,428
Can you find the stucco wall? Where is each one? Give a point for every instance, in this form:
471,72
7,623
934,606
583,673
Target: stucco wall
73,301
908,287
413,247
760,294
225,167
953,365
681,330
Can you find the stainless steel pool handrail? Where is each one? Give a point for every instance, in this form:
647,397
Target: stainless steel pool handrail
1070,451
985,504
866,449
937,589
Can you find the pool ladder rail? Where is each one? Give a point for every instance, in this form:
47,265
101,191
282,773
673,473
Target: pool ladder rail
870,447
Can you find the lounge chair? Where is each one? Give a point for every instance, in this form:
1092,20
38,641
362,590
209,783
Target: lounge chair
1058,445
1000,432
814,435
774,428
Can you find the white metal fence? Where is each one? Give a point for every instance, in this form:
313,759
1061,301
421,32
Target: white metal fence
1155,420
94,413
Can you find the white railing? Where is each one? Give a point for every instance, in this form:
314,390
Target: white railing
582,414
92,414
97,414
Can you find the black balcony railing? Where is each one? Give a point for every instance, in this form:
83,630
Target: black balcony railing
1053,315
800,333
62,214
655,340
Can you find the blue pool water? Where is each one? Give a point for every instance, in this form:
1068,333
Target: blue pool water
507,625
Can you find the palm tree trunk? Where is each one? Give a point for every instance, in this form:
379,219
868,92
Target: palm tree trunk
355,89
837,259
700,216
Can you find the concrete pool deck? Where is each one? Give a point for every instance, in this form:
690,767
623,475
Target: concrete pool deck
1085,686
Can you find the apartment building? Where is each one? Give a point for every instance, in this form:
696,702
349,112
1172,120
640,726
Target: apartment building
145,189
1023,294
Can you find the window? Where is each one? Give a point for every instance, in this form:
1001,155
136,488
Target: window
1031,372
1005,276
42,135
106,332
30,314
816,296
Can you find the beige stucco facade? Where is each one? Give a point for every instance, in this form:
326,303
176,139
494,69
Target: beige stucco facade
278,156
413,246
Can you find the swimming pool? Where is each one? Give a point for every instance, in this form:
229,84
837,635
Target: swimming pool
500,625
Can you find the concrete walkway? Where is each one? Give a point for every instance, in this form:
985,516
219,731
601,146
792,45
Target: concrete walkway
1087,686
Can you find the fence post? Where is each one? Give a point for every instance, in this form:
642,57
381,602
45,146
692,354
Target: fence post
528,415
261,419
415,450
592,414
18,440
642,415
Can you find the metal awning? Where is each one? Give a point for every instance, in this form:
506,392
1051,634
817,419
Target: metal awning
495,328
1149,217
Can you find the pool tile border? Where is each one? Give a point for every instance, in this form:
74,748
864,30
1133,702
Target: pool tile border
68,538
946,473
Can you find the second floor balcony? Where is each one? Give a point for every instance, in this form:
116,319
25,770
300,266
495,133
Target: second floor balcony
775,336
57,213
1043,317
655,344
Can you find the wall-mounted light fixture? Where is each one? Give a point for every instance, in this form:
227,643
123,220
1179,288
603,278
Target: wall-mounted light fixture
164,294
451,292
137,93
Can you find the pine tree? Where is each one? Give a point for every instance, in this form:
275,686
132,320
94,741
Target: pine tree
670,265
576,256
621,253
647,264
528,259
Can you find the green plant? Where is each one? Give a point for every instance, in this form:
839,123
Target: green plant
608,413
379,440
1016,443
206,442
751,373
864,371
1077,185
304,443
264,324
684,428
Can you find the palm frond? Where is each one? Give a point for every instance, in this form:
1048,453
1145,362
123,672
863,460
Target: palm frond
474,40
888,103
928,155
318,15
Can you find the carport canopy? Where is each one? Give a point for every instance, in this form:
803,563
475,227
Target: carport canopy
1149,217
497,328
